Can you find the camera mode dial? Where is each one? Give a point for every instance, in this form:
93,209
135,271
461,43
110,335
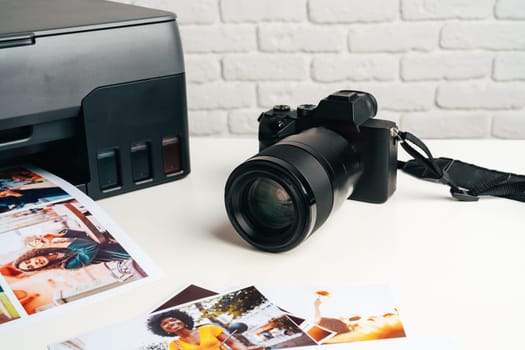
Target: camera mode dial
281,108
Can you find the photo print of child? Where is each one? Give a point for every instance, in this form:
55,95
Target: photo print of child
21,188
58,253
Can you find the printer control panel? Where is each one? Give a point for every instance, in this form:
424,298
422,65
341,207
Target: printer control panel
136,135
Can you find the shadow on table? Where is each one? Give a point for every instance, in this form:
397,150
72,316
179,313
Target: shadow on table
226,233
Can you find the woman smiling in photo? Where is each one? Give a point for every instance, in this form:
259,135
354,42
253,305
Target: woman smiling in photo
180,324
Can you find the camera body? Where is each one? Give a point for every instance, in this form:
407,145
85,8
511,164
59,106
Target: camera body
310,161
349,114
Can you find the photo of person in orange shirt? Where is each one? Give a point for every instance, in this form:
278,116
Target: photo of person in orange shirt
206,337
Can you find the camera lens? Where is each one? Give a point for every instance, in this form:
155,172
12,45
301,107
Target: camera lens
266,204
279,197
269,204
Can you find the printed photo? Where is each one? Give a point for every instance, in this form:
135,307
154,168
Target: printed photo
7,309
187,295
242,319
58,253
337,315
21,188
350,313
317,333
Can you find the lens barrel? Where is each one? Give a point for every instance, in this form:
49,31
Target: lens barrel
279,197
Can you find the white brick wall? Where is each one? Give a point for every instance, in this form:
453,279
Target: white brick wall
509,66
353,11
393,37
277,37
445,65
440,68
446,9
260,11
260,67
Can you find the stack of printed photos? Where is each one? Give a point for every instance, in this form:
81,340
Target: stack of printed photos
57,247
245,318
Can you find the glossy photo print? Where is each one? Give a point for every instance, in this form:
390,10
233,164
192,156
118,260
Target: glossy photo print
59,253
241,319
336,315
342,314
57,247
22,188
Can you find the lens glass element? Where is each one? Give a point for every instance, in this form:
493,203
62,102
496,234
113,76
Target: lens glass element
268,205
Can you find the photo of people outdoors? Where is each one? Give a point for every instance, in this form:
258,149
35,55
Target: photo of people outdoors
21,188
344,314
54,251
243,319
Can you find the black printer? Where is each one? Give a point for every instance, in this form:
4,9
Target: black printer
94,92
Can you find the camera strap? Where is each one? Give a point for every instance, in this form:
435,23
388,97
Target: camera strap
466,181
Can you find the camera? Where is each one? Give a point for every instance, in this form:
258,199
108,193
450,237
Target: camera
310,160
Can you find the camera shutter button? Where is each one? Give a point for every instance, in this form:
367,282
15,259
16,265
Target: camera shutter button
304,110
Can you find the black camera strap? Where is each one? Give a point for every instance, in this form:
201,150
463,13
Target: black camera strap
466,181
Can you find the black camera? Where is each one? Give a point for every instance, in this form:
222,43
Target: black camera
310,160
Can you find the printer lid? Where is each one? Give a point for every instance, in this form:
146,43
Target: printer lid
52,17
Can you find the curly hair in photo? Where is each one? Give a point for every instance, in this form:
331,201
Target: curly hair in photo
155,320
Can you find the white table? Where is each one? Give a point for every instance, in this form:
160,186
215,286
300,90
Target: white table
456,269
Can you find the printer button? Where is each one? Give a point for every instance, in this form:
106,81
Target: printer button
171,155
108,173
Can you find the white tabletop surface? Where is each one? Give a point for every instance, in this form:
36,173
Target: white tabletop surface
456,269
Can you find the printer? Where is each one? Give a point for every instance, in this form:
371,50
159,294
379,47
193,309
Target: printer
94,92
